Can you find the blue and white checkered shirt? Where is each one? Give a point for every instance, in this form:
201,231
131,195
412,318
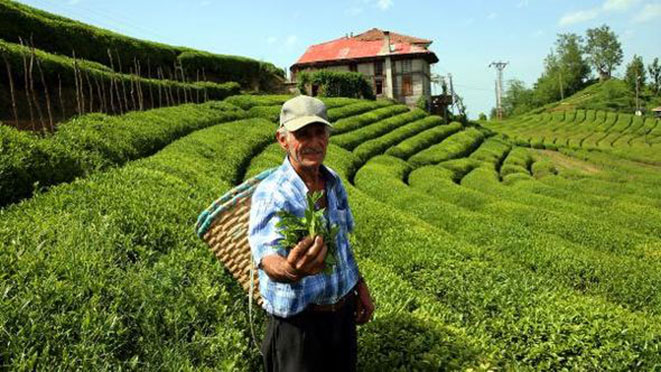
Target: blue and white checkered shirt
285,190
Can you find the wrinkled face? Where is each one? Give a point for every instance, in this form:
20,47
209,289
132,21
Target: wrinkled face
307,146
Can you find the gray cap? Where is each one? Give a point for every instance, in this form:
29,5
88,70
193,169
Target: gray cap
301,111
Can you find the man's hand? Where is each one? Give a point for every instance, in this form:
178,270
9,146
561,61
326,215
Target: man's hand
306,258
364,304
308,255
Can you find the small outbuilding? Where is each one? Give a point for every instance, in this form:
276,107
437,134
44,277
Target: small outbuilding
657,111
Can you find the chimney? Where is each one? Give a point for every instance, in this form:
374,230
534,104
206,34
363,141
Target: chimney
386,34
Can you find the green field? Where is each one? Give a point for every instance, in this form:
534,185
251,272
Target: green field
528,244
482,249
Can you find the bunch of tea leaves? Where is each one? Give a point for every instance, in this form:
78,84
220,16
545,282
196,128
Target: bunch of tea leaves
294,229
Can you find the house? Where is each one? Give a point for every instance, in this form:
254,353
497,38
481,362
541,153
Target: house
398,66
657,112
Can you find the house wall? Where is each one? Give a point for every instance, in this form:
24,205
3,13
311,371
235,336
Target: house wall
420,81
419,73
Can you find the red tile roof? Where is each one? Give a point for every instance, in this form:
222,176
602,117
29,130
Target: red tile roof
366,45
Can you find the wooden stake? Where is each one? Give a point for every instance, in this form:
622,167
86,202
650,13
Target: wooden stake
131,91
79,99
197,91
34,92
160,98
48,105
118,95
112,84
140,93
27,86
91,91
126,99
151,93
204,76
59,91
11,88
102,103
82,91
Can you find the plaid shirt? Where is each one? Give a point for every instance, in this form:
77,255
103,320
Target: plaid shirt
284,190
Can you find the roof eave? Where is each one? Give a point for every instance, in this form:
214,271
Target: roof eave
429,56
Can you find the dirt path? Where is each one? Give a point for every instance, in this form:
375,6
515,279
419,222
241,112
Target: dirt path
567,162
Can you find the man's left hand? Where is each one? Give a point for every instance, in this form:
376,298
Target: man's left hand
364,303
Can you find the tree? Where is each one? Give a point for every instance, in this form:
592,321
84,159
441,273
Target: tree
548,87
517,98
565,71
604,51
655,76
635,71
573,69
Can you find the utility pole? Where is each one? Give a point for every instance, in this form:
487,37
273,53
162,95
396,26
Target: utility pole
451,89
562,91
500,66
637,90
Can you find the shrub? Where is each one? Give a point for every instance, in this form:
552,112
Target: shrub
422,140
96,141
354,138
337,113
370,148
124,282
336,84
457,145
103,89
60,35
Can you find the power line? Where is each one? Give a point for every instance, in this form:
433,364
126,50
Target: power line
472,87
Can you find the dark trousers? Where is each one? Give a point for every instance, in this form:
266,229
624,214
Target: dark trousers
311,341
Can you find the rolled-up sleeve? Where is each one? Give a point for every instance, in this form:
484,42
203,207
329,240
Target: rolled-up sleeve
263,236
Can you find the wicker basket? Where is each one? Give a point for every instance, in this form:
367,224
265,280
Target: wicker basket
224,227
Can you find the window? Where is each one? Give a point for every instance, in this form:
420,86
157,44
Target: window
407,85
406,66
378,87
378,68
353,67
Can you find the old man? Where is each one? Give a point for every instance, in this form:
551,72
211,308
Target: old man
312,313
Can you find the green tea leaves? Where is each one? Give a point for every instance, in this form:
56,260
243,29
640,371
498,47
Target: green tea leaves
314,223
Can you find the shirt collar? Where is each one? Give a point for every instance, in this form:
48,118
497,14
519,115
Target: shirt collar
292,176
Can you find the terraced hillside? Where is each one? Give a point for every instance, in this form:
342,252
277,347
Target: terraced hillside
482,251
634,137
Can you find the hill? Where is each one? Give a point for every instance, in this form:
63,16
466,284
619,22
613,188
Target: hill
609,95
481,253
63,36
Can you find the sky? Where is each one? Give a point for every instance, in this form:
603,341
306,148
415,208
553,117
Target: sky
467,35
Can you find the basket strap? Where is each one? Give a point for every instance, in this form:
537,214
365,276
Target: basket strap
250,300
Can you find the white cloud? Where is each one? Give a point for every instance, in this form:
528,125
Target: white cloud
523,4
648,13
271,39
578,17
354,11
384,4
492,16
618,5
291,40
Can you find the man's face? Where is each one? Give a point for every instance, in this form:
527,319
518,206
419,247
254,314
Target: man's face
307,146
